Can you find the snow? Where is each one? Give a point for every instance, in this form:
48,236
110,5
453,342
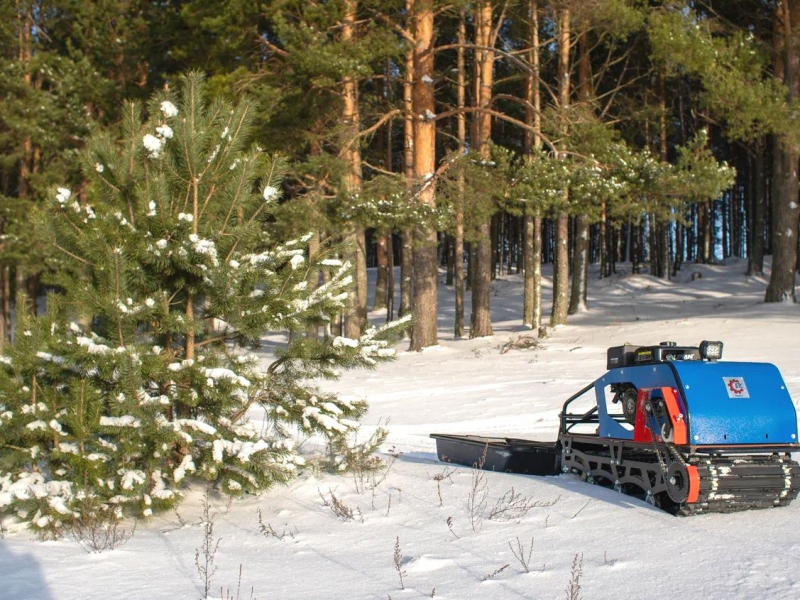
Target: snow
222,373
62,195
270,193
124,421
340,341
164,132
169,109
630,549
152,144
91,346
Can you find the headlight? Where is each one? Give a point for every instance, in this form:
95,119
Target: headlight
711,350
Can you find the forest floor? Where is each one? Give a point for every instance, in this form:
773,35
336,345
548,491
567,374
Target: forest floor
625,548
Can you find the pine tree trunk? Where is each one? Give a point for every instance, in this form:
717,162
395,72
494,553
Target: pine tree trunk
425,240
382,260
390,281
663,226
529,291
580,262
560,272
351,153
786,185
602,242
458,240
449,260
536,323
494,233
312,332
406,236
759,204
481,321
471,264
4,293
784,225
677,262
502,248
558,315
635,249
24,54
580,269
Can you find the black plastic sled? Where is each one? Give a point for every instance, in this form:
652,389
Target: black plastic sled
505,455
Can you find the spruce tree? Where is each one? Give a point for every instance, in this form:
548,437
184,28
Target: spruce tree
173,263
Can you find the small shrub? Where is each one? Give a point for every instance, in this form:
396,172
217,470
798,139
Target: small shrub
339,508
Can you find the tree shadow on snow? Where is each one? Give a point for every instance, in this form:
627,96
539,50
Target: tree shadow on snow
21,576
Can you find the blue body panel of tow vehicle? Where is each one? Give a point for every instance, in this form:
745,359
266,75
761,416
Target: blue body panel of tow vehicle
727,403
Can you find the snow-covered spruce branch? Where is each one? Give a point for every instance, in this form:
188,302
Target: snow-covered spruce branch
176,267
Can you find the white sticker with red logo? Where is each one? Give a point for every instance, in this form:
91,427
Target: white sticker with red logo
736,387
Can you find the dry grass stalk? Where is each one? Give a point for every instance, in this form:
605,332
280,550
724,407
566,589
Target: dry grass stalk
204,555
521,555
512,506
339,508
228,595
573,589
268,531
478,494
496,572
521,342
438,478
398,562
450,527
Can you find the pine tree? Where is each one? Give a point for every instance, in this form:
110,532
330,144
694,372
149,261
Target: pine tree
175,266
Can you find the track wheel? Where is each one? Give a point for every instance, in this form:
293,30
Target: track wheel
629,397
677,482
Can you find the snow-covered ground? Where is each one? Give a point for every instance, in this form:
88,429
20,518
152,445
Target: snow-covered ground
628,548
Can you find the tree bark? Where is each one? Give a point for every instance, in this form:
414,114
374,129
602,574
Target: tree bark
449,259
4,294
759,204
580,263
786,186
558,316
406,236
351,153
406,272
390,281
382,259
577,301
312,332
481,321
424,332
458,239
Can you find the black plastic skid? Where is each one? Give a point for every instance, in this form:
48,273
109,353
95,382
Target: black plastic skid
507,455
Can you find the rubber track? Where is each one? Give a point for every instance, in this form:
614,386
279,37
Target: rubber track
732,484
727,483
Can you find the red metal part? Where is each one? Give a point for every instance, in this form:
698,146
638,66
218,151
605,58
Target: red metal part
679,434
641,433
694,484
